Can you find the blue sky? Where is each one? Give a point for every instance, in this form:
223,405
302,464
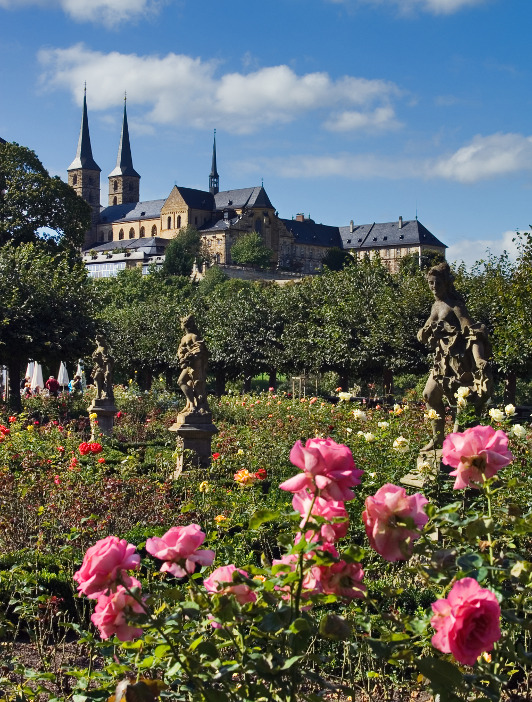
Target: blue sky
347,109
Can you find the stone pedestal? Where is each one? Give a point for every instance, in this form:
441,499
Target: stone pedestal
194,437
428,466
105,411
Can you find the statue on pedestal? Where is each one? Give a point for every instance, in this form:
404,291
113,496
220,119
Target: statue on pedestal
102,372
461,351
192,355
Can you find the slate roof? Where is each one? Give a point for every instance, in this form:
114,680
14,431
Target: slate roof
83,157
2,141
197,199
131,211
151,246
243,197
310,233
218,226
381,234
124,162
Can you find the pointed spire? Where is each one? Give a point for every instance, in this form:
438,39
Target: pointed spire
84,157
124,162
214,178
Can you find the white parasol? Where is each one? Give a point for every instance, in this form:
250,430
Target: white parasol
62,376
29,370
37,379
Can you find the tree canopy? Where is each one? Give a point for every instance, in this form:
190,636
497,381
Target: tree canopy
182,251
250,250
35,206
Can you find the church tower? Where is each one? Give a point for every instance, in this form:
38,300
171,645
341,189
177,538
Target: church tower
214,178
124,181
84,172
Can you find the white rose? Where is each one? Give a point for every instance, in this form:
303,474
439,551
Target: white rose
359,415
496,414
401,444
370,438
383,425
344,396
509,411
432,414
519,431
462,392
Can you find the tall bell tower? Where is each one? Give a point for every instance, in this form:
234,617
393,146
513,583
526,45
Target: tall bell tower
124,181
84,172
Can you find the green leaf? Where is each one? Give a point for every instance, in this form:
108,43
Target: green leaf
442,674
262,516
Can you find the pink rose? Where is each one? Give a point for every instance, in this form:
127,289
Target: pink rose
179,548
221,582
310,578
104,564
327,467
467,622
476,454
327,509
342,579
385,518
112,611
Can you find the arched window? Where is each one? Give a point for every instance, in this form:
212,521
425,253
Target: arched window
121,234
110,236
154,230
131,233
178,222
142,232
169,223
74,179
115,185
258,226
115,201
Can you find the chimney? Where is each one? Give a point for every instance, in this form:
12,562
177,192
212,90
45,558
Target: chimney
351,226
400,222
300,217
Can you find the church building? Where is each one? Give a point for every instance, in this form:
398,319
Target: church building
131,232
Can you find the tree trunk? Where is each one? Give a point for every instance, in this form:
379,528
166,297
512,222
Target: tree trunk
247,383
15,400
509,388
272,380
220,382
387,381
145,378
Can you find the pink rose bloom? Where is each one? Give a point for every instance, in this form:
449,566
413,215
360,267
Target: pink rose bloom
342,579
310,578
112,611
327,509
221,582
104,564
384,518
467,622
476,454
327,467
179,548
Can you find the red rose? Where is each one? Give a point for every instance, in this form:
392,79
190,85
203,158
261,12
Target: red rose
84,448
261,474
101,460
118,415
215,456
12,419
95,447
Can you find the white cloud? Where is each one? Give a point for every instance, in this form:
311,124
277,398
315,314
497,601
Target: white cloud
107,12
185,90
486,157
437,7
471,250
382,118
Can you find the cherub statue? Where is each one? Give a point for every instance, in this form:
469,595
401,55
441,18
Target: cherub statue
192,355
461,351
102,372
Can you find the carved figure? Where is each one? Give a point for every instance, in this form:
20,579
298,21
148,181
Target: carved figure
192,355
461,351
102,372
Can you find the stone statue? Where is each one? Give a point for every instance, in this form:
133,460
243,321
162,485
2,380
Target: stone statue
461,351
192,355
102,373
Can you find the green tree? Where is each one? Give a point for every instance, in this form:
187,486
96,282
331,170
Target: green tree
46,309
141,314
182,251
250,250
35,206
336,259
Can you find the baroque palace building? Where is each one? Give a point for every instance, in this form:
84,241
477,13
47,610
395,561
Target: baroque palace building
130,232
